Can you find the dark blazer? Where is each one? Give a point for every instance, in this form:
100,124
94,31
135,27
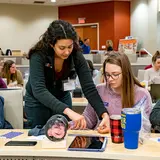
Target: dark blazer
43,88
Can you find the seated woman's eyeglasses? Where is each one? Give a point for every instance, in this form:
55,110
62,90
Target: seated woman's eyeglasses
113,76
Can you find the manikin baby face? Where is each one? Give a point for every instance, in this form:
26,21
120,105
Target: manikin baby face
57,130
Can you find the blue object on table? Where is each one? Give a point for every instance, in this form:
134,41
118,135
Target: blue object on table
131,125
10,135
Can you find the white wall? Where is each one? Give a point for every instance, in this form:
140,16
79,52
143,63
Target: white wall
158,35
139,21
152,25
144,23
22,25
158,26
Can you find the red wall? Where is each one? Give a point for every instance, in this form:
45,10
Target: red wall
121,21
113,18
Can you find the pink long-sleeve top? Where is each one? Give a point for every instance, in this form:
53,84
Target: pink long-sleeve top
112,102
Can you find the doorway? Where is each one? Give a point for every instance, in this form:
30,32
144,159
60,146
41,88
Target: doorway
90,31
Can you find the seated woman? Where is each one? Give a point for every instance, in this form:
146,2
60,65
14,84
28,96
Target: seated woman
152,75
121,90
13,76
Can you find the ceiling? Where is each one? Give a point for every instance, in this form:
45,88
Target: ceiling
57,3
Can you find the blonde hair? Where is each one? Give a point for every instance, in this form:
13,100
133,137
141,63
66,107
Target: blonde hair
109,42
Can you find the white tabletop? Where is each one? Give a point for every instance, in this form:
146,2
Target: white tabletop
148,151
79,102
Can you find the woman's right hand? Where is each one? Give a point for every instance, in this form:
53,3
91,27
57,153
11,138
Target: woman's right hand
79,120
11,85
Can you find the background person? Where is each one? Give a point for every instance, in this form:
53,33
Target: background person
109,45
85,47
13,75
152,75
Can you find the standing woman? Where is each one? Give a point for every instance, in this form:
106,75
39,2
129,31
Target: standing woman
54,60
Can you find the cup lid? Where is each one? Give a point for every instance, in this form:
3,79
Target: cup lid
115,117
131,110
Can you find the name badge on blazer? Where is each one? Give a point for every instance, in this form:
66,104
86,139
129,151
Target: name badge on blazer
48,65
69,85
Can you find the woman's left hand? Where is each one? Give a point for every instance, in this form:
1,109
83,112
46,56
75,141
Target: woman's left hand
104,126
78,120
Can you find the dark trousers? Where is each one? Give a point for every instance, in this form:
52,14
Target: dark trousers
39,115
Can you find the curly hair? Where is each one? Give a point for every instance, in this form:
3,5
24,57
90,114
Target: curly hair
57,30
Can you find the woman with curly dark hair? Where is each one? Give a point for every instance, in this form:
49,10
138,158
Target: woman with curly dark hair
54,62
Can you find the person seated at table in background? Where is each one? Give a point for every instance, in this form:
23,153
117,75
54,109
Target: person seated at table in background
93,71
121,90
13,76
152,75
2,84
54,61
155,117
85,47
109,45
80,41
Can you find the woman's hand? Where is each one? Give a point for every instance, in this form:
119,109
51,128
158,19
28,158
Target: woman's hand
11,85
78,120
104,126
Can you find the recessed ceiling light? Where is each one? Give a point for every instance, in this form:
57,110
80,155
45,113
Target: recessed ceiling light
53,0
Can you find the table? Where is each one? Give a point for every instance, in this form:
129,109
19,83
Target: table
79,102
148,151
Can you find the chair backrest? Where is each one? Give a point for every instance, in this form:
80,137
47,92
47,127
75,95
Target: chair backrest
144,60
132,58
10,58
13,106
88,56
24,61
141,75
97,58
155,92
